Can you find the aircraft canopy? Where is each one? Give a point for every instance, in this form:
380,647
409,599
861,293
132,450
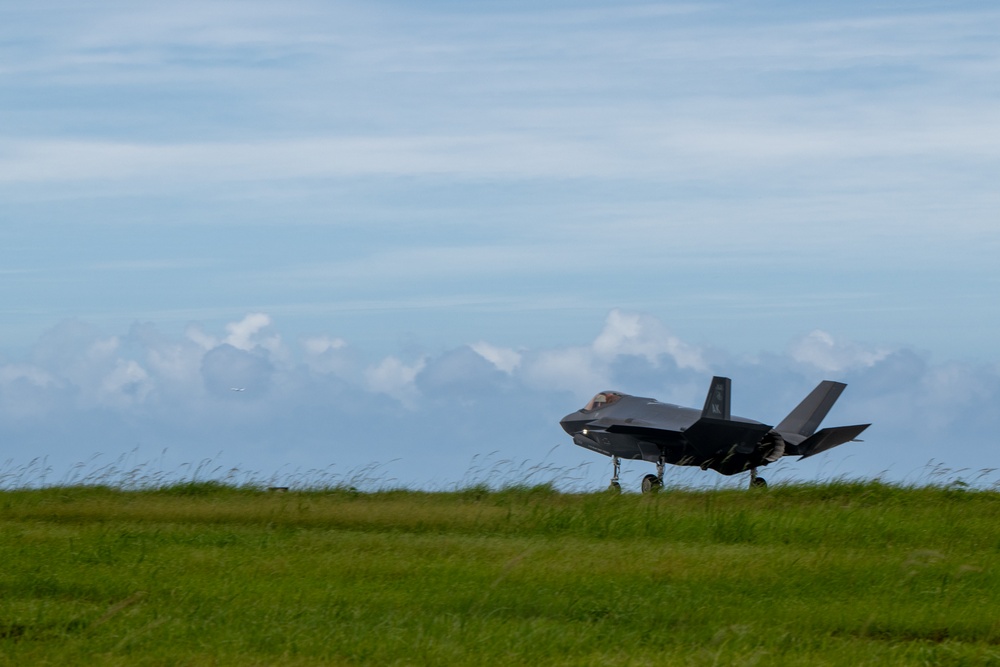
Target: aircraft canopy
602,400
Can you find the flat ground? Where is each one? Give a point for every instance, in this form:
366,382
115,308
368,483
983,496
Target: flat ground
832,574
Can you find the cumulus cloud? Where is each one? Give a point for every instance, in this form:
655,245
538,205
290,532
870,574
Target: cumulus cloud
27,373
461,374
822,350
242,333
642,335
173,363
395,378
328,355
196,335
80,391
320,345
227,368
27,392
127,383
570,369
504,359
625,337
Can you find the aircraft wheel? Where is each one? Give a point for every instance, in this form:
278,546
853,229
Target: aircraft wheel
758,483
651,484
615,487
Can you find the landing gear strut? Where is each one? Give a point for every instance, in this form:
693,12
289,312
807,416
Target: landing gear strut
653,483
615,487
755,481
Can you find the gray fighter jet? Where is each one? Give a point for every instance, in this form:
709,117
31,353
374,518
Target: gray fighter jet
630,427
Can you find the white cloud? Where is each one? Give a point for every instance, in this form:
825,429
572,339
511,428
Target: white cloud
568,369
328,354
952,393
166,166
504,359
740,98
586,370
203,340
242,333
128,383
103,349
320,344
225,367
28,392
175,363
395,378
247,335
686,147
146,387
642,335
31,374
822,350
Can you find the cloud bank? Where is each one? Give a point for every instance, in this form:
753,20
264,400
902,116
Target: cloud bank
247,399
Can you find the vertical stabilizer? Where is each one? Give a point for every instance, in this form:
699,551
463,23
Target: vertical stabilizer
717,401
807,415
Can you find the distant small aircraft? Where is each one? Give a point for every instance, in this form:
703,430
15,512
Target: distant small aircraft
631,427
237,389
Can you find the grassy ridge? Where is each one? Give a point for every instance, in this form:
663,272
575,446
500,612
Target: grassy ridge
832,574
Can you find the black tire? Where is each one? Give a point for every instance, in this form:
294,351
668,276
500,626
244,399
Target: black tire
651,484
614,487
758,483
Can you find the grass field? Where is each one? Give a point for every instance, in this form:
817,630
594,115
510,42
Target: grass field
202,573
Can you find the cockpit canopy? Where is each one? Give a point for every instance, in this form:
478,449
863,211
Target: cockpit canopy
603,400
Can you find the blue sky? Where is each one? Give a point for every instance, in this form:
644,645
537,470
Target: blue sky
420,233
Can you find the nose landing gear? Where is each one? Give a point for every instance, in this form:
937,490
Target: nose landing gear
615,486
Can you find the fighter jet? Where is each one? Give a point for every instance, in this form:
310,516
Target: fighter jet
635,428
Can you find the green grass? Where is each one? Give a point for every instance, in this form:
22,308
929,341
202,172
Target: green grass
204,573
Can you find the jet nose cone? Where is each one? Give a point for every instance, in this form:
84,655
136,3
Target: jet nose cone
565,423
574,422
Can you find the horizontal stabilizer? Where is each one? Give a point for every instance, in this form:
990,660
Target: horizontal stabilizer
807,415
717,401
828,438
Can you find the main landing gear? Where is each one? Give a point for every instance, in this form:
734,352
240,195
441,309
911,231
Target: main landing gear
653,483
755,481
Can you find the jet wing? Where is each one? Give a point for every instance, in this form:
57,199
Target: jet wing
639,428
709,434
643,447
